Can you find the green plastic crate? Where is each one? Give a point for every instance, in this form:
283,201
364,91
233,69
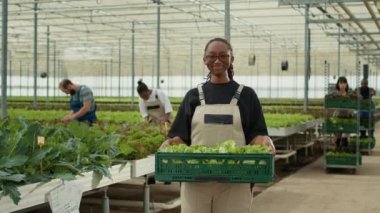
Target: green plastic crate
343,160
330,127
346,103
363,144
338,102
206,167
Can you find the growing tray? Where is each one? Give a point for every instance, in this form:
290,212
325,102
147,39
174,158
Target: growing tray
337,102
349,127
346,103
212,167
343,160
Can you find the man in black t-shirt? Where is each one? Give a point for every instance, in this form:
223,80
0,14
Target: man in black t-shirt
365,91
366,95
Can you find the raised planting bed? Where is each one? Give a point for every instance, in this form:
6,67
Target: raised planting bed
143,166
36,193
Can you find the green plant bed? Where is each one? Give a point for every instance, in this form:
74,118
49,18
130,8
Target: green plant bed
69,150
342,158
274,120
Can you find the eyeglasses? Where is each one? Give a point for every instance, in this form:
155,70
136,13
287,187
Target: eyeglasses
223,57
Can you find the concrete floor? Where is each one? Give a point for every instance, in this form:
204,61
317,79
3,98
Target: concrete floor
313,190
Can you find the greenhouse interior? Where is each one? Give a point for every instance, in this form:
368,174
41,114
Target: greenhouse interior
191,106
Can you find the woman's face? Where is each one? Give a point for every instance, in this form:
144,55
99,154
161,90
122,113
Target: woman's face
218,58
144,95
342,86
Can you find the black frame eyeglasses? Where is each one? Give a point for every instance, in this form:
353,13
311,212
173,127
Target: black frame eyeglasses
222,57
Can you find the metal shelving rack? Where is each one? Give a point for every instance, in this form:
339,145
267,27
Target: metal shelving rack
353,165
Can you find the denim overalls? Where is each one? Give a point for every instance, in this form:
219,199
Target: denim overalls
76,105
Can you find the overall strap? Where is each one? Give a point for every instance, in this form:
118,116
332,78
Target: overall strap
77,94
236,96
201,94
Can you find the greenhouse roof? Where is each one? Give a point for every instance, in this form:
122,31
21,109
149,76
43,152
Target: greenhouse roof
92,29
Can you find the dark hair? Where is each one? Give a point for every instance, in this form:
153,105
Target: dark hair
230,70
141,86
64,83
341,79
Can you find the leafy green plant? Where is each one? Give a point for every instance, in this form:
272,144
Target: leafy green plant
68,151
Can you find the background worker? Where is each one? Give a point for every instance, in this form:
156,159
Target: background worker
218,110
154,104
341,139
366,94
82,102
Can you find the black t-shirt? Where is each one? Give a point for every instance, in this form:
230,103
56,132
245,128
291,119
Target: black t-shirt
365,93
251,114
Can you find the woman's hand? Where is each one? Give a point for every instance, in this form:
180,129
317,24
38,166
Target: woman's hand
264,141
172,141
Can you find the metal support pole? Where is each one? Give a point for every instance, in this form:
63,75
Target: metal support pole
54,69
4,58
111,75
146,195
307,55
20,78
376,78
169,74
119,83
10,75
47,62
296,80
326,72
59,68
133,66
191,62
339,53
153,69
105,78
28,79
358,66
35,55
227,21
158,42
106,202
270,66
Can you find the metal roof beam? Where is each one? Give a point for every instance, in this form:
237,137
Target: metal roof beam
369,8
368,54
353,33
360,42
329,21
352,16
311,2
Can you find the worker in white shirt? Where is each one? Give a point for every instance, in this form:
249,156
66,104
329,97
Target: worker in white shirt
154,104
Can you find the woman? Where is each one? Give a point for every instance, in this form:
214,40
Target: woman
218,110
341,139
154,104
